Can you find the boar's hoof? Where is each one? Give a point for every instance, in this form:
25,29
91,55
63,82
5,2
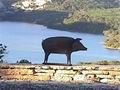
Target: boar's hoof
70,64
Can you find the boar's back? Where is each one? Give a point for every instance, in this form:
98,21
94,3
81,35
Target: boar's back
58,44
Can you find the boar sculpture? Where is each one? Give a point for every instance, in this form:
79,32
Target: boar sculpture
61,45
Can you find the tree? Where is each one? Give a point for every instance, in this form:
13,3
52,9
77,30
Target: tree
24,61
2,52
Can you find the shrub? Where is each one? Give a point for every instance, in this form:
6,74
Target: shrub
2,52
24,61
104,62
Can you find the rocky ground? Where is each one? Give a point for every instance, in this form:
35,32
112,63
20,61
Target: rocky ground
28,85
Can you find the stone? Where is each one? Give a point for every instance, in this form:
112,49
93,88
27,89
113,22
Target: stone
92,67
62,75
69,72
44,71
114,81
57,67
89,68
26,3
104,80
68,67
67,79
95,72
45,67
30,4
90,76
27,77
80,78
114,72
41,2
17,66
78,68
107,68
16,71
105,76
62,78
117,77
110,81
39,74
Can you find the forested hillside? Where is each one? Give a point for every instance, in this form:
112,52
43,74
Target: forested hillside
84,4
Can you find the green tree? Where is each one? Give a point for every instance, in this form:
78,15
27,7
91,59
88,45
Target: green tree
2,52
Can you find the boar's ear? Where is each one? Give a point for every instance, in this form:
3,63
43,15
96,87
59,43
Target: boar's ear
78,39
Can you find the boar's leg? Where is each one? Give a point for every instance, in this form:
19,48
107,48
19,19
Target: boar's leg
68,58
46,57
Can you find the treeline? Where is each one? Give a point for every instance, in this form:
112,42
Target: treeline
92,16
72,5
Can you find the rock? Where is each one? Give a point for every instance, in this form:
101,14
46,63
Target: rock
68,67
117,77
62,77
16,72
110,81
104,80
27,77
78,68
39,74
44,72
114,72
69,72
30,4
91,72
67,79
105,76
45,67
26,4
79,78
57,67
105,68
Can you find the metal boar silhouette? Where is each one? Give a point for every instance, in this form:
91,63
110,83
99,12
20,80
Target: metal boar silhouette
61,45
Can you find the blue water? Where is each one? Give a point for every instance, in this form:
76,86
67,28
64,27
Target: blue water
24,42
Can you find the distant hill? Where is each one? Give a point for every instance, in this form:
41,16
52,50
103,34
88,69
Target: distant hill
84,4
91,16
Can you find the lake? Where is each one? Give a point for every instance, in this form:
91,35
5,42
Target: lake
24,42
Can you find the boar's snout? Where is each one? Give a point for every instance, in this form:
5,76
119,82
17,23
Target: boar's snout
77,45
85,48
82,46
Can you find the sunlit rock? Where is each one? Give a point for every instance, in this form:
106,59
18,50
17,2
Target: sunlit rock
30,4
